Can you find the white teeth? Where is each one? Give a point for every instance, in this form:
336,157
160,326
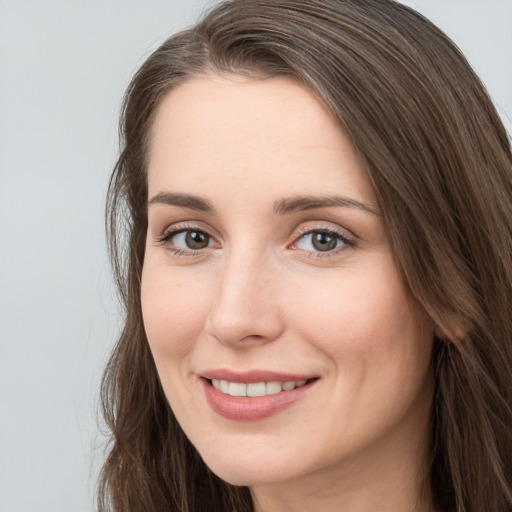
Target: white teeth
271,388
287,386
224,386
237,389
256,388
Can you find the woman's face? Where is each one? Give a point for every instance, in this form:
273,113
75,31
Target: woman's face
268,272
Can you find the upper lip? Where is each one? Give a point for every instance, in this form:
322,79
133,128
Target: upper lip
252,376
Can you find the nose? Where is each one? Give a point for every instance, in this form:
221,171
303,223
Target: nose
246,307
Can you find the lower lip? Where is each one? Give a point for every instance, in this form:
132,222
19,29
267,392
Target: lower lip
243,408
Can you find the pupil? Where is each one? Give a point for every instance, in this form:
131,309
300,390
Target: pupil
197,240
324,241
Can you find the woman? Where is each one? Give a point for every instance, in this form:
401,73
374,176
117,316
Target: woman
317,274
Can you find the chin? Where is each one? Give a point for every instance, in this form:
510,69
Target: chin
245,472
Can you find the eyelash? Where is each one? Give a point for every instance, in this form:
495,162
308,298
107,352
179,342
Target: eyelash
171,233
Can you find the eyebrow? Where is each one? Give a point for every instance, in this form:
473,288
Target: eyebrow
281,207
295,204
182,200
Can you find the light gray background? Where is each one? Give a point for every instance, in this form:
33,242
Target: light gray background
63,67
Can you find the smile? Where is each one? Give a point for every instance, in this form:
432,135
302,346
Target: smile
260,394
256,388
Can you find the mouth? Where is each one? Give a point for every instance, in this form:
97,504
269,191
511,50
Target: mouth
258,397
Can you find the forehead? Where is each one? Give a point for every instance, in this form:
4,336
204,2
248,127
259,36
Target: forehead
270,135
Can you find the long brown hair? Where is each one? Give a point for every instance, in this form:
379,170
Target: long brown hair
441,165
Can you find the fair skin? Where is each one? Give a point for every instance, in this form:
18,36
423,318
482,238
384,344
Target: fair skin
239,277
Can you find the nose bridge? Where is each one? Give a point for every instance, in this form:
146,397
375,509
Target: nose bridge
246,304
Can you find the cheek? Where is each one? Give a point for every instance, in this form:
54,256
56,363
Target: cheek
346,305
172,310
364,322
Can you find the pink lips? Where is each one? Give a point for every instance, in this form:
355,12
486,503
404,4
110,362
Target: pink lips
252,408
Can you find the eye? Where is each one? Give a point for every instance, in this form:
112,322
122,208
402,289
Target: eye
184,241
321,240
